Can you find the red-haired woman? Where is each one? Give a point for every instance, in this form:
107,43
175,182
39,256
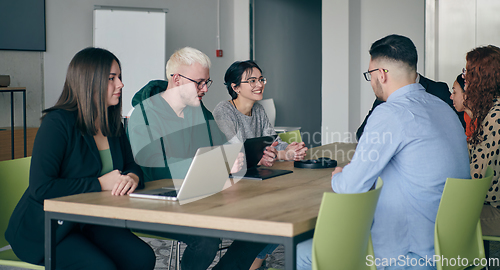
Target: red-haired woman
482,98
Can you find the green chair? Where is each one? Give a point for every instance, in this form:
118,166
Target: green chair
291,136
457,231
342,235
14,175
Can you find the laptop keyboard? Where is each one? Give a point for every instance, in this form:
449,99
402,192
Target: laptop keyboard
171,193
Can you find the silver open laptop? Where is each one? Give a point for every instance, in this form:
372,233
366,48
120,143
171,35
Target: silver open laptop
206,176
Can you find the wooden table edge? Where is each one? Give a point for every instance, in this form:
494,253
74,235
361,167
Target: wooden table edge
263,227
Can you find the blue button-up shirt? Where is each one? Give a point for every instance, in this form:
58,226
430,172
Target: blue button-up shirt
414,141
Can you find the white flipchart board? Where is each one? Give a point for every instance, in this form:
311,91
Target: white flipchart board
137,37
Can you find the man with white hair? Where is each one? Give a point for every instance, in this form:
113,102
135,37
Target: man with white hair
168,125
168,112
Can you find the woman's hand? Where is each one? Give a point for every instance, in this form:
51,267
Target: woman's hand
238,163
270,155
118,183
294,151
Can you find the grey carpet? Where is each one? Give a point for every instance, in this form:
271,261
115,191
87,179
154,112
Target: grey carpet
276,260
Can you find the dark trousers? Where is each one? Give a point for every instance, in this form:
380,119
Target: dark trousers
101,247
201,251
240,255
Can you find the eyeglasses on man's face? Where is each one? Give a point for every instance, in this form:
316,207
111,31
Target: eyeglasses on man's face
368,74
200,84
253,81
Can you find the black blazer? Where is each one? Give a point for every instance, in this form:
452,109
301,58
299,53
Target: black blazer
64,162
439,89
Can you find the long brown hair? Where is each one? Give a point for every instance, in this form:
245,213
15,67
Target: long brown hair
483,85
85,91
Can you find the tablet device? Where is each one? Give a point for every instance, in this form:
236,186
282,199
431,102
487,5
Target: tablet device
254,149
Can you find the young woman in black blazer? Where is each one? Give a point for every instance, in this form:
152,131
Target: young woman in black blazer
81,147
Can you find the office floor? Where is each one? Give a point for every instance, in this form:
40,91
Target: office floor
162,250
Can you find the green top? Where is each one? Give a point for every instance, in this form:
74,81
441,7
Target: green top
163,143
106,160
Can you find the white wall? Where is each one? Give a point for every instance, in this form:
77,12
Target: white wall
335,79
382,18
193,23
25,70
188,23
457,28
241,29
343,108
69,29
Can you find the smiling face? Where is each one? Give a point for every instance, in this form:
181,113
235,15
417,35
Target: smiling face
115,85
246,91
457,96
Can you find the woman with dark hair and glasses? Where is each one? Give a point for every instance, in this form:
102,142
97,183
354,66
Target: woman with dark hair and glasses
81,147
242,118
457,96
482,93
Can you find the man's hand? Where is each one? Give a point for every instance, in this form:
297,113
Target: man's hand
337,170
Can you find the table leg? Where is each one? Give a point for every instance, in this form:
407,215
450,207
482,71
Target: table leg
50,242
12,122
24,124
291,248
290,254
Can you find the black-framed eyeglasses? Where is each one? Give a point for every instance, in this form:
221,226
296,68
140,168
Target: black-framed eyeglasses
253,82
368,74
200,84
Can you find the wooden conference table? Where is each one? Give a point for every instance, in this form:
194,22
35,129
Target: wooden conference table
281,210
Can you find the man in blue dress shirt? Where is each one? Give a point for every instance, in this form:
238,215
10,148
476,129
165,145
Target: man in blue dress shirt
413,141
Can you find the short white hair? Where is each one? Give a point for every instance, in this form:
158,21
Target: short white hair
186,57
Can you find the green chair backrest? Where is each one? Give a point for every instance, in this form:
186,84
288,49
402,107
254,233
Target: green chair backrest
457,231
291,136
342,235
14,176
